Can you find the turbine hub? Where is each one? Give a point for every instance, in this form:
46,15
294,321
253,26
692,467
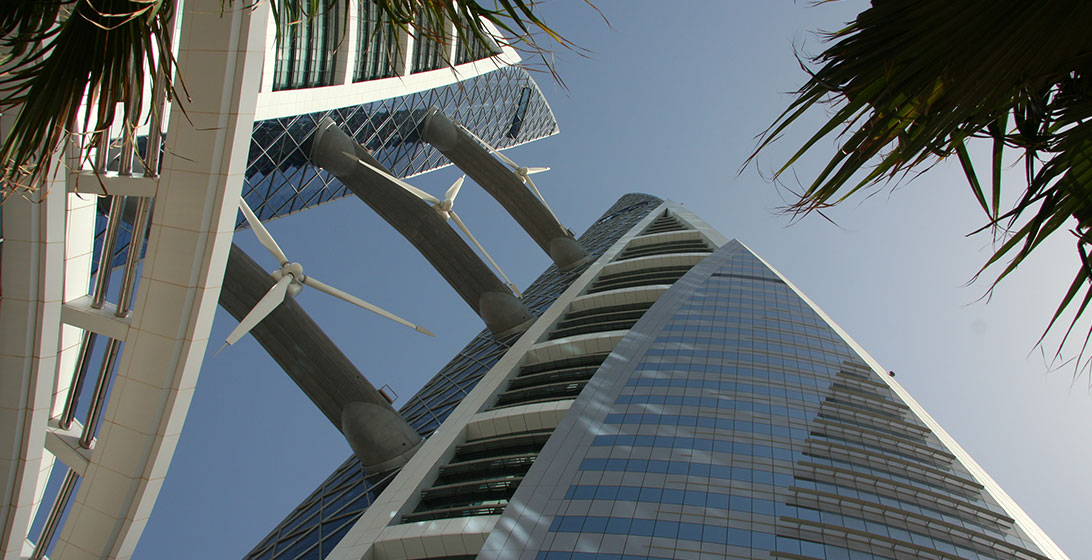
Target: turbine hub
295,270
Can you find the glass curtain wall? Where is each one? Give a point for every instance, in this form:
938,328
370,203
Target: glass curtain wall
378,46
468,49
429,47
306,53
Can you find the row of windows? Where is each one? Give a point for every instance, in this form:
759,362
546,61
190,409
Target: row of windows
307,51
305,55
664,529
752,338
896,475
808,368
748,337
756,304
663,223
852,522
735,348
704,421
719,402
734,445
864,488
724,379
919,453
697,498
873,424
746,504
784,545
756,540
766,361
686,468
810,372
772,331
884,542
888,409
699,444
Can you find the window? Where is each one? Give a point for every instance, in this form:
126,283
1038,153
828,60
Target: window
468,48
378,46
430,42
305,56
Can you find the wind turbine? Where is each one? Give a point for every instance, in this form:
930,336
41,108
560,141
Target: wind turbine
524,173
290,280
444,208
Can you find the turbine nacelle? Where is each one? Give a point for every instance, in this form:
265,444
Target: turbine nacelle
524,173
290,280
293,271
446,210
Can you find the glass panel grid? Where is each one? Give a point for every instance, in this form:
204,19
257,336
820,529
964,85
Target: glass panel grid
377,52
738,432
306,53
279,179
432,404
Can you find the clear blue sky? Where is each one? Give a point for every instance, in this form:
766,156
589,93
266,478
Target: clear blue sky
668,102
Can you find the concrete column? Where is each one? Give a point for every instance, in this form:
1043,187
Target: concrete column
502,312
220,60
502,184
32,261
378,435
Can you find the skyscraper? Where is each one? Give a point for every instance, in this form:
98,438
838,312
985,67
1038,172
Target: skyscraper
676,398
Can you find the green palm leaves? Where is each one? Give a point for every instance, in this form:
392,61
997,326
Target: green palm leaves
59,55
911,81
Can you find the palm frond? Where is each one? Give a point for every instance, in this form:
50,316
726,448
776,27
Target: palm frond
911,82
69,64
101,50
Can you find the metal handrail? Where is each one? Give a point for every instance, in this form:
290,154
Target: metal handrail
68,485
106,254
102,149
68,414
136,243
98,403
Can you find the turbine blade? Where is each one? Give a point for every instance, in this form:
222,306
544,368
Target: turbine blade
533,170
416,191
330,290
453,191
531,183
474,240
263,234
264,307
490,147
505,159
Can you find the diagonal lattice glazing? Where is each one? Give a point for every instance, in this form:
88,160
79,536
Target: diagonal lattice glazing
505,107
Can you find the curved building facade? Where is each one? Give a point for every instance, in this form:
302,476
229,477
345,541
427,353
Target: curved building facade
678,399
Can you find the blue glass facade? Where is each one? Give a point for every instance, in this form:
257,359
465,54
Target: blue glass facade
733,422
322,519
280,179
707,411
504,107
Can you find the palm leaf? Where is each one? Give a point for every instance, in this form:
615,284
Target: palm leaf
60,53
912,81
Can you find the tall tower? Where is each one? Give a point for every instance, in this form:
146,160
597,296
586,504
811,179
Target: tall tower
676,398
